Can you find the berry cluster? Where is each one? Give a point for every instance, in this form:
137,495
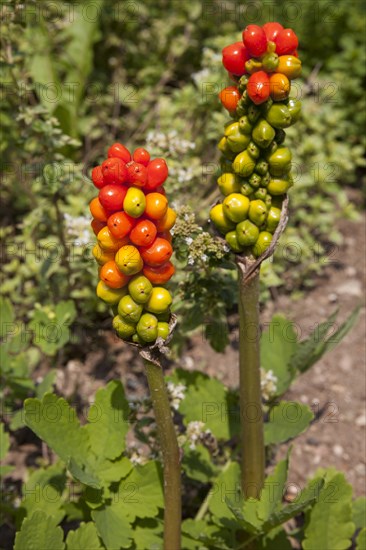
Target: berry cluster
132,222
255,164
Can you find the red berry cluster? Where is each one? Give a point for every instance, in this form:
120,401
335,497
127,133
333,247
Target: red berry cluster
269,55
132,222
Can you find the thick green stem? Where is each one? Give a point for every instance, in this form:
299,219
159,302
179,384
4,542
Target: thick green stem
251,414
171,456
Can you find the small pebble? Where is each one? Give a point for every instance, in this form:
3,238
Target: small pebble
333,297
361,420
360,469
338,450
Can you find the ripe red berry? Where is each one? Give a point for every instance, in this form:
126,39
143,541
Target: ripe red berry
158,253
117,150
144,233
111,197
271,30
286,42
258,87
142,156
234,57
157,173
114,171
255,40
137,174
120,224
97,177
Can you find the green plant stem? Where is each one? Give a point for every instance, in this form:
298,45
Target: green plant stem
171,456
251,414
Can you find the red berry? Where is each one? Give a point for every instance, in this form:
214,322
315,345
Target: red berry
111,197
286,42
120,224
258,87
255,40
271,30
114,171
157,173
97,177
137,174
117,150
144,233
141,156
234,57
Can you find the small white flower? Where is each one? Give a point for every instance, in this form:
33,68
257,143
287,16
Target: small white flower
189,240
196,432
190,260
176,394
268,384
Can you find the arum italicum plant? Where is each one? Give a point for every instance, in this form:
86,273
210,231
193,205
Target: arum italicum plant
255,178
132,222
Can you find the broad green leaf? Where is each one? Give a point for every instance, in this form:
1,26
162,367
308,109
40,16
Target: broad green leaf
39,532
198,535
46,384
43,491
113,527
197,464
253,513
141,493
51,330
272,492
278,344
86,477
307,352
314,347
148,534
206,400
81,35
108,421
54,421
287,419
330,524
65,312
359,512
217,333
225,487
85,537
4,442
109,472
361,540
275,540
308,497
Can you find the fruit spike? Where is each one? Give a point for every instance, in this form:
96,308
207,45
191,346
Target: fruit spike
132,221
256,165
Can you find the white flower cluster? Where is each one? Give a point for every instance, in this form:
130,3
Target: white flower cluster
268,384
196,432
182,175
176,394
136,457
78,228
171,142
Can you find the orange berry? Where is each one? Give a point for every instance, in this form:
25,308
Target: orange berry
167,221
156,206
97,210
112,276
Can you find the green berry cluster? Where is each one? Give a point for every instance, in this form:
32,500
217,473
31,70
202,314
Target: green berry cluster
255,171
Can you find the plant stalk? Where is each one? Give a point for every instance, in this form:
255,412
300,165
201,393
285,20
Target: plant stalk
251,413
171,456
